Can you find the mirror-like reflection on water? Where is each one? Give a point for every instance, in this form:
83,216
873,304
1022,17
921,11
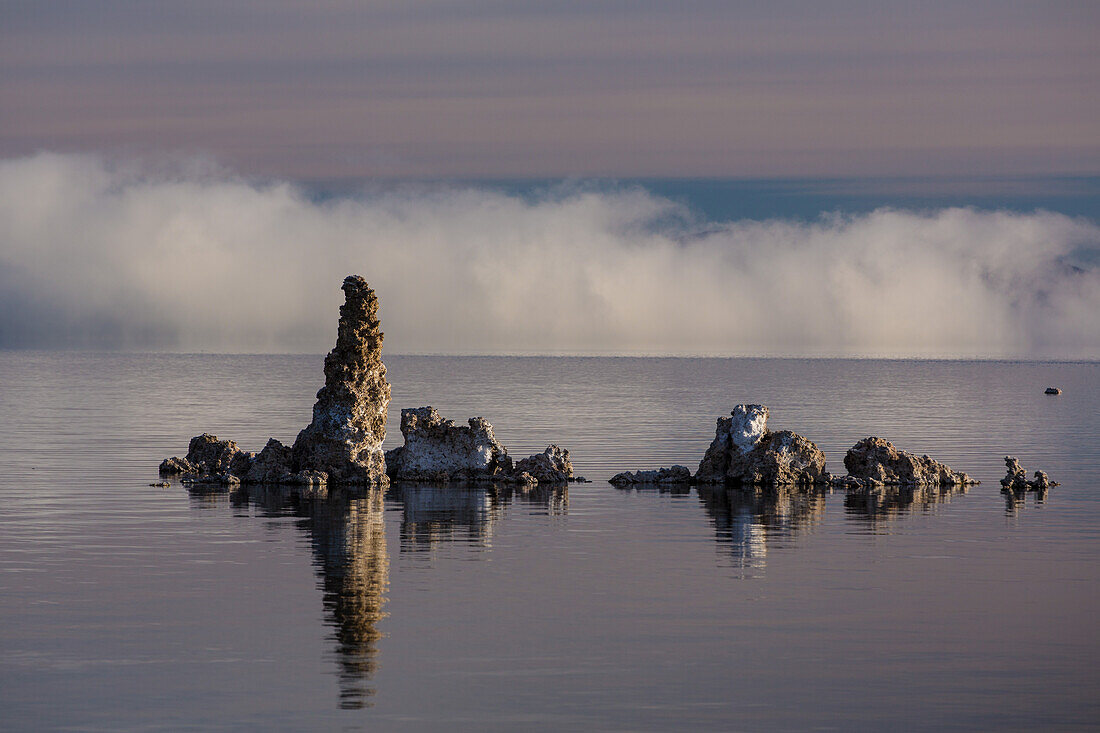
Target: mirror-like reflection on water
748,519
883,503
435,513
126,606
347,533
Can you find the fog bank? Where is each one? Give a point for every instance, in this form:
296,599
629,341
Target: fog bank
96,253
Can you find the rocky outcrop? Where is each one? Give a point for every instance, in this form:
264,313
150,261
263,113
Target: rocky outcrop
552,466
209,460
875,461
1016,478
1053,390
343,444
674,475
438,450
745,452
345,438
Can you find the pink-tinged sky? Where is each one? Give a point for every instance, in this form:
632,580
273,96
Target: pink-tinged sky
331,88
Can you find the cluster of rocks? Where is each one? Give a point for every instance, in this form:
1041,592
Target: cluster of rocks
1016,480
343,443
744,451
438,450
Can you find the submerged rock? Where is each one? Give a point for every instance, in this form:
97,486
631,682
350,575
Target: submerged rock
1016,478
674,475
345,438
342,445
744,451
876,461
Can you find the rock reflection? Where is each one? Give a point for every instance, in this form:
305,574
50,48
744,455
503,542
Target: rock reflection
889,502
748,519
348,539
1016,499
436,513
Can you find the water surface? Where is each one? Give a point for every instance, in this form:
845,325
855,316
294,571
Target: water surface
125,606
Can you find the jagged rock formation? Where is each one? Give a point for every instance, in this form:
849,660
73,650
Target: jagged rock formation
875,461
552,466
1053,390
1016,478
343,444
438,450
674,475
744,451
345,438
209,461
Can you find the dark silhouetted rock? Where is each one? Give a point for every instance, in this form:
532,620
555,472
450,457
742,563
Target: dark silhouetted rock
674,475
344,441
877,461
744,451
1053,390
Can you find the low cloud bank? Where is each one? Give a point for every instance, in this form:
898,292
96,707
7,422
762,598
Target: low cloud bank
101,254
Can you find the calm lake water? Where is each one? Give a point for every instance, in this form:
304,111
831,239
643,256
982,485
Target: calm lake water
125,606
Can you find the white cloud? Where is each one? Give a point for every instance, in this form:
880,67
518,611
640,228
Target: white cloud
94,253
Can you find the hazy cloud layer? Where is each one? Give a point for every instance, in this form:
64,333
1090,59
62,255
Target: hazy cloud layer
187,256
331,88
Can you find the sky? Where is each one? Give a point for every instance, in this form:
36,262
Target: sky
790,178
324,89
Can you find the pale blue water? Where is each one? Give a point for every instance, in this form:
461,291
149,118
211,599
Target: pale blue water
129,607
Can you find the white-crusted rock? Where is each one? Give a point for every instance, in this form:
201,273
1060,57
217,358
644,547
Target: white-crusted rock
744,451
436,449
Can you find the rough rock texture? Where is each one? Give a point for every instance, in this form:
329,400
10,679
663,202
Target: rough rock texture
877,461
343,444
271,465
744,451
1016,478
552,466
436,449
1053,390
674,475
208,456
345,438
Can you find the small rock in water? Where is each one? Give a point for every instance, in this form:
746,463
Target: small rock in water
1053,390
551,466
674,475
878,461
1016,480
